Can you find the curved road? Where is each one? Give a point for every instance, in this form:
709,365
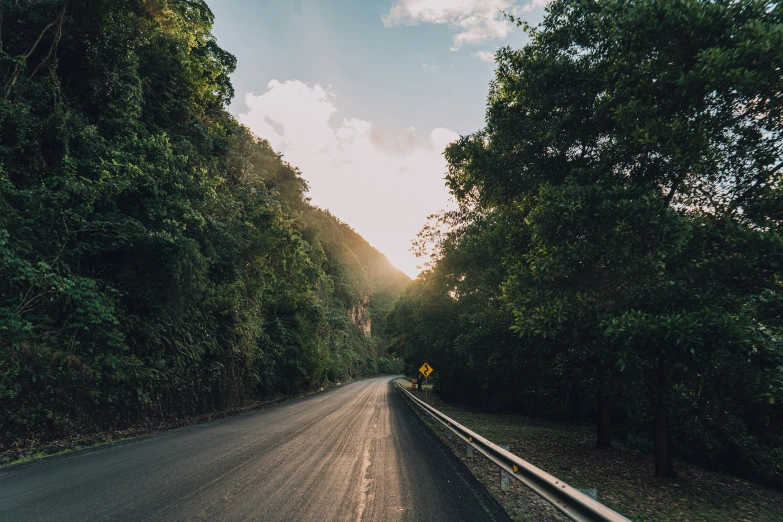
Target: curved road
355,453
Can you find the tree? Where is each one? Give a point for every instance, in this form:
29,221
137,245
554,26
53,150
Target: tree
634,149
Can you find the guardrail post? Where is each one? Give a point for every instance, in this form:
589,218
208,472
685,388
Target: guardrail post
470,450
505,478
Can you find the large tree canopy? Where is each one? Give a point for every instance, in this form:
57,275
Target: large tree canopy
628,186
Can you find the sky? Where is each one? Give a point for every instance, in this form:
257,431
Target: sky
363,96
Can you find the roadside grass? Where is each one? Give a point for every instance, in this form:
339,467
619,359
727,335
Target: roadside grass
29,458
624,478
38,455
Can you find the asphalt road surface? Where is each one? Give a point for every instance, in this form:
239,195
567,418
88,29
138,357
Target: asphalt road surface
356,452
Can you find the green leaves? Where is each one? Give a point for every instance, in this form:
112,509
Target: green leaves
156,259
632,157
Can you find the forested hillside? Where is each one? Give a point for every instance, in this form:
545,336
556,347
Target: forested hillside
617,251
156,259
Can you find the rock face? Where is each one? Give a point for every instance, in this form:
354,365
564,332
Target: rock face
360,315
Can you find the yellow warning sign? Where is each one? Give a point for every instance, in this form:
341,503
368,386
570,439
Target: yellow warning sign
425,370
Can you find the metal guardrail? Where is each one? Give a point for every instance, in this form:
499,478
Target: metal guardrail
570,501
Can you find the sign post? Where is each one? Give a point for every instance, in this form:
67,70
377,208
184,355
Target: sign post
425,370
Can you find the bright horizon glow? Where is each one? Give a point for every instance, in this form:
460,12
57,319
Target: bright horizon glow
363,96
384,185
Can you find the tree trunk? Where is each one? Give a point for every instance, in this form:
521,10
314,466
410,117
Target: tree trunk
664,467
604,425
573,394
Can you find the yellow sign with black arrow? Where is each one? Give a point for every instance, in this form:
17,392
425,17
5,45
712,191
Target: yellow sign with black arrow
425,370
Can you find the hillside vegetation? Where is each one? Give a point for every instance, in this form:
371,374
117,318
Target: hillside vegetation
617,251
157,260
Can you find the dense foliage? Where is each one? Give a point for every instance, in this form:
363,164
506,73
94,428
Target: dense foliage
156,259
617,249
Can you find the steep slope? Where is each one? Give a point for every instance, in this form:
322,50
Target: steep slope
156,259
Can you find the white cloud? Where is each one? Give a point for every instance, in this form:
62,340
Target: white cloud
535,4
485,56
474,21
383,184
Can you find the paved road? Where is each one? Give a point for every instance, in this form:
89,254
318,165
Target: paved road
353,453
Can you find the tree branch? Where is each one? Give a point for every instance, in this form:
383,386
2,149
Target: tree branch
668,199
56,41
759,179
18,69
